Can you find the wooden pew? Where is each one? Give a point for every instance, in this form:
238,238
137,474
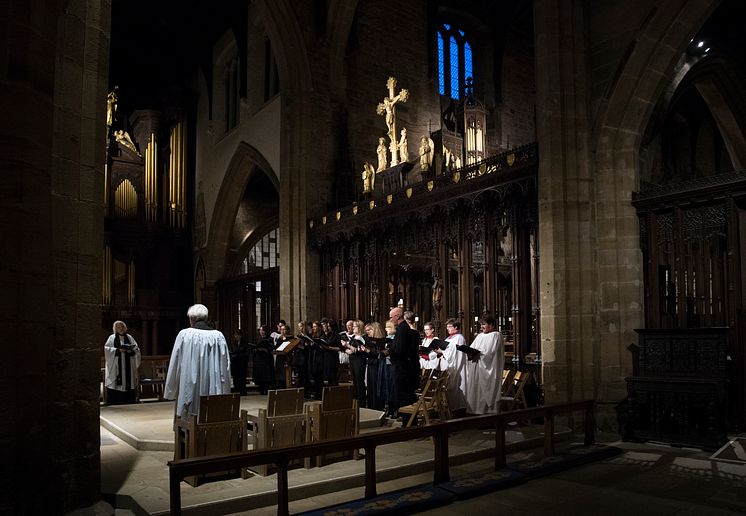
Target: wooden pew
337,416
283,423
217,429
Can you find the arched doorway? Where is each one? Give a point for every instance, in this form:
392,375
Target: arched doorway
249,292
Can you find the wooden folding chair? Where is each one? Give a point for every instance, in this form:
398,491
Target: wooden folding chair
428,401
506,388
516,398
283,423
217,429
338,415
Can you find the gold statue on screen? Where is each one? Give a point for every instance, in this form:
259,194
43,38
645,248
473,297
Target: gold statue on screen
369,177
112,102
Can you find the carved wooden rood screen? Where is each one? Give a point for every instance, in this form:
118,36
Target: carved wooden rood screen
692,237
460,244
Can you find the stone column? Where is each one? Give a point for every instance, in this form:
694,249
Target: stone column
53,85
567,263
301,146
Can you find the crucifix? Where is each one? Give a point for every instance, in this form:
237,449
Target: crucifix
388,108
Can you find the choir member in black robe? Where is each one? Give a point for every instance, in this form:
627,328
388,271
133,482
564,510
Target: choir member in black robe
264,376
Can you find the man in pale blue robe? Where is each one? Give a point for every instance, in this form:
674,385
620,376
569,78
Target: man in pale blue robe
483,375
200,364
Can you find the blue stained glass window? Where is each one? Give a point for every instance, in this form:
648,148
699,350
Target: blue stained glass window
441,66
454,69
468,72
455,61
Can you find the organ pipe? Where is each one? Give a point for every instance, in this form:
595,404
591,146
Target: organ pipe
125,200
106,283
131,283
177,183
151,185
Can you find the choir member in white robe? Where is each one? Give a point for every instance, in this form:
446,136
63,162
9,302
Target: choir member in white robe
484,375
122,356
456,363
200,364
431,360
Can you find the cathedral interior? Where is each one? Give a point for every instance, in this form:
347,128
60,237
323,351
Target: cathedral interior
575,169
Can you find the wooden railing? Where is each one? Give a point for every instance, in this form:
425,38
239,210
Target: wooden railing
281,457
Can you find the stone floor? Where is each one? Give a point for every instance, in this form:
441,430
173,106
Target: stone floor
134,457
647,479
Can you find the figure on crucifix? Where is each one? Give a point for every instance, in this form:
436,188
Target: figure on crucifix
388,108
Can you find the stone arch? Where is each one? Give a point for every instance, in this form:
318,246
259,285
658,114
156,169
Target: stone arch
340,16
246,162
643,75
618,131
713,80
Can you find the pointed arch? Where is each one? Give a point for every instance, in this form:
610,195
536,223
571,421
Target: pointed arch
246,162
648,67
340,16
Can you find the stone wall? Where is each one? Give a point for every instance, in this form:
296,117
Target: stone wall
517,110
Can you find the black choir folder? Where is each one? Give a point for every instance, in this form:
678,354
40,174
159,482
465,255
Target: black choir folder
314,341
471,353
435,344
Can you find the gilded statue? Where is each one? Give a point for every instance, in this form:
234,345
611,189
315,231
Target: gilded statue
388,108
369,177
447,157
381,151
427,148
403,150
124,138
437,293
112,101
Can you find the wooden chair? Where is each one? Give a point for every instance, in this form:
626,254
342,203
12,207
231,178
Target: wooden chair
152,377
283,423
336,416
429,402
515,397
506,388
217,429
